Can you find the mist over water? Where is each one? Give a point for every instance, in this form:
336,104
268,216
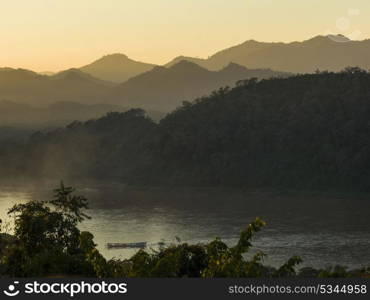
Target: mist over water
323,230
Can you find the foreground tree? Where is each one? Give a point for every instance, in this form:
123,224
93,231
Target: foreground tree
215,259
47,239
47,242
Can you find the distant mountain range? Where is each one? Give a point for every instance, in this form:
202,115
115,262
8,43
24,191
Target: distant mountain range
303,133
159,89
72,85
165,88
59,113
16,115
118,80
332,53
116,68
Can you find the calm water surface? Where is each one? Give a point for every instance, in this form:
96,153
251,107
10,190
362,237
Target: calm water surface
323,230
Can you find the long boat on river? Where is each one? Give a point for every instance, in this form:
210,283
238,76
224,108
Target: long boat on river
140,245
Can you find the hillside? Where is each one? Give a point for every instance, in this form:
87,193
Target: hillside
29,87
199,61
77,75
23,116
332,53
161,89
307,131
165,88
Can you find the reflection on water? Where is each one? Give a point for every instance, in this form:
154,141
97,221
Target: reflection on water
322,230
8,198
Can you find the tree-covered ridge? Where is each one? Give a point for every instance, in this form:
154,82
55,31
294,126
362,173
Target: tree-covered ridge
305,131
108,147
165,88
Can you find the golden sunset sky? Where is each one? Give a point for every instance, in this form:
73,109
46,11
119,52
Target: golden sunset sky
51,35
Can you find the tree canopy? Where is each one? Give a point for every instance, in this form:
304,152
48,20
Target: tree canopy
305,131
47,242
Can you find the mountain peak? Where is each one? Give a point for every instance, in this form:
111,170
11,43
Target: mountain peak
328,38
72,73
176,60
18,73
181,57
113,58
233,67
116,67
185,65
251,42
115,55
339,38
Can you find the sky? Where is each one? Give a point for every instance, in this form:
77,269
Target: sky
52,35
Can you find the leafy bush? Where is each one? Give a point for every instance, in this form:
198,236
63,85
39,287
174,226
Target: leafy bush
48,242
211,260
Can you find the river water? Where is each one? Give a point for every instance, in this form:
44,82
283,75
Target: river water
323,230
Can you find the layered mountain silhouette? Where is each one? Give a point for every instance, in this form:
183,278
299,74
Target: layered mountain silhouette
332,53
116,68
116,79
165,88
199,61
16,115
72,85
159,89
59,113
78,75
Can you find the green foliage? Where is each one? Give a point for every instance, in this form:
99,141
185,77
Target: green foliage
334,272
245,237
69,204
305,131
215,259
288,269
118,146
47,242
229,262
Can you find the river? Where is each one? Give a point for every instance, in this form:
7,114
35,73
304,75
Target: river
323,230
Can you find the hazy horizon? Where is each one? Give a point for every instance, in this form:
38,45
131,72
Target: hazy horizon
60,35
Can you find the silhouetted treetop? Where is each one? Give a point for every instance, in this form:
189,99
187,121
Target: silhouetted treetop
302,131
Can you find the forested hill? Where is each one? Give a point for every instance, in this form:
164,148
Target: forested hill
306,131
